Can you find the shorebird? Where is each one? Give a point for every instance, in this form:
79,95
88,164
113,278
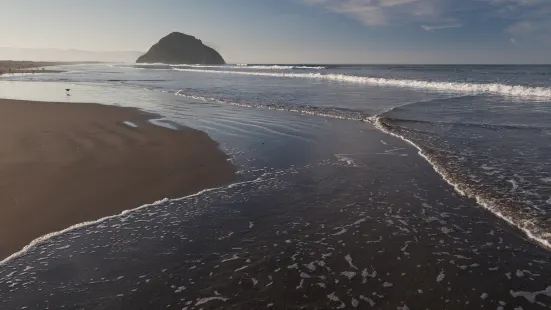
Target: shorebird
67,90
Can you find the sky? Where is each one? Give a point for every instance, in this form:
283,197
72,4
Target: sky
288,31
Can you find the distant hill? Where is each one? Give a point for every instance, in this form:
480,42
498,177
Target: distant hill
70,55
179,48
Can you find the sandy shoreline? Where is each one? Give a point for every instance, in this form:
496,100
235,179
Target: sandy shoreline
380,232
11,66
61,164
289,242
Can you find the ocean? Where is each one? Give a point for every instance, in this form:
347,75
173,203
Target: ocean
377,186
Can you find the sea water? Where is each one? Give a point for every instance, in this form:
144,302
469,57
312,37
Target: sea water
322,163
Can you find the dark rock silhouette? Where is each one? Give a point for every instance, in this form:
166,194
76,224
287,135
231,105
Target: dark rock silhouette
179,48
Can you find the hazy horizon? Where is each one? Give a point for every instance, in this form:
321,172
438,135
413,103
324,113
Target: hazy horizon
54,54
75,55
286,31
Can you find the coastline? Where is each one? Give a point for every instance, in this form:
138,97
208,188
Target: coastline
218,246
341,214
12,66
379,123
63,164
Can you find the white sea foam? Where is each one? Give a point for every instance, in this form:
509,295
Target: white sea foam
453,87
161,122
295,109
349,161
441,276
310,67
152,64
43,239
522,224
531,296
274,67
200,66
209,299
127,123
514,183
278,67
256,67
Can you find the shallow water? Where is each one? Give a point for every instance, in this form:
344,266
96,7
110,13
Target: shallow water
486,127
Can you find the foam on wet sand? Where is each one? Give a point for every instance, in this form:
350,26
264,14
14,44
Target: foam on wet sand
62,164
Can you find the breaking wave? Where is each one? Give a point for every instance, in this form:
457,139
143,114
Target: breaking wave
453,87
529,225
331,112
526,223
257,67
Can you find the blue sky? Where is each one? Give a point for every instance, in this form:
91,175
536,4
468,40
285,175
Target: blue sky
294,31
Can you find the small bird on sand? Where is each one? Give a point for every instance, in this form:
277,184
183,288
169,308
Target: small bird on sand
67,90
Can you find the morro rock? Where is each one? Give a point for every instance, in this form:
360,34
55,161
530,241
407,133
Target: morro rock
179,48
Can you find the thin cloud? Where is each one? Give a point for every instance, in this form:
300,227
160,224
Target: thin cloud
530,19
383,12
441,27
538,30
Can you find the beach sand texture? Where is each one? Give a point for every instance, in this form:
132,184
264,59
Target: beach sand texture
62,163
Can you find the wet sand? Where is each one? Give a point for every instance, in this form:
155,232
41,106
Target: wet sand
62,164
294,240
14,66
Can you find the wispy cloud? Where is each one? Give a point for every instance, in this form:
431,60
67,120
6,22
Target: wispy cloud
440,27
521,18
383,12
528,20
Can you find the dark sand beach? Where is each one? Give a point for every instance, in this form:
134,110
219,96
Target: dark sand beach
278,155
62,164
329,212
287,241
